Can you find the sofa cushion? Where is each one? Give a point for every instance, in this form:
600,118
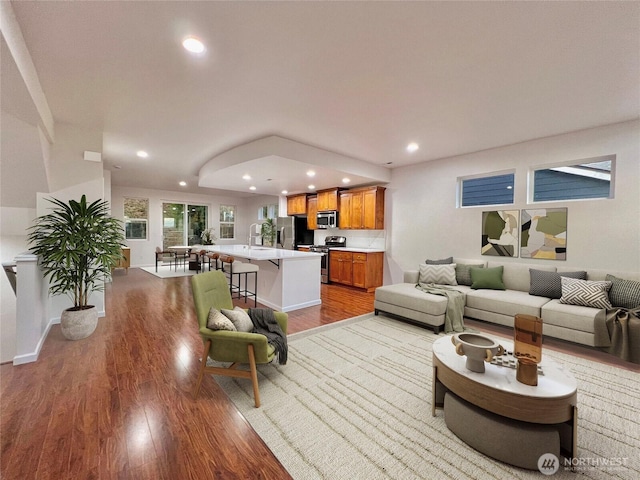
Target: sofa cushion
507,302
548,284
516,275
443,274
586,293
490,278
573,317
442,261
624,293
408,296
463,272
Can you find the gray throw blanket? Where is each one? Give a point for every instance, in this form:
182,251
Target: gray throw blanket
264,323
453,318
618,333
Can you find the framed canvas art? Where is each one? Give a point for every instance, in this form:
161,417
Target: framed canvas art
544,233
500,233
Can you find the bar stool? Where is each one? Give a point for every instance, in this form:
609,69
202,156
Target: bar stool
208,257
231,268
202,259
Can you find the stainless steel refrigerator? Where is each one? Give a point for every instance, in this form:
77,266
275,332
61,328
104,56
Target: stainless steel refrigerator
292,231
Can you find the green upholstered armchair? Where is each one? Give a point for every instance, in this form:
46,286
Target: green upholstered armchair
210,289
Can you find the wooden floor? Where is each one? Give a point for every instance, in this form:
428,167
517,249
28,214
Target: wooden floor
118,404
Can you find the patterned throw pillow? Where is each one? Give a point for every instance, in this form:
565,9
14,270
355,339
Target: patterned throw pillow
463,272
443,261
240,319
217,321
624,293
548,284
440,274
586,293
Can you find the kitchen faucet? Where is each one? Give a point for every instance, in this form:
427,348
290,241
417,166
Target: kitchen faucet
250,236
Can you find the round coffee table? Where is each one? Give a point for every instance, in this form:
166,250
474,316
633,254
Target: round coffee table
552,402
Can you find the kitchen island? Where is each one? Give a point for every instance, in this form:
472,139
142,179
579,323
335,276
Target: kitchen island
288,279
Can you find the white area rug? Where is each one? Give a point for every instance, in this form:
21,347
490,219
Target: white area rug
354,402
165,271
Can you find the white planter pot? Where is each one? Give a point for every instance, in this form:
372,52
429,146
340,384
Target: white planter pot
79,324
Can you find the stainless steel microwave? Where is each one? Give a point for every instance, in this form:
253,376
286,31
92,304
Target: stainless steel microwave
327,219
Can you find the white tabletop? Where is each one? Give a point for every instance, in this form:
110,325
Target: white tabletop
259,253
556,381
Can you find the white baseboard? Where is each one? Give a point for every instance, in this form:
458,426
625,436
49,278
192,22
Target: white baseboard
33,356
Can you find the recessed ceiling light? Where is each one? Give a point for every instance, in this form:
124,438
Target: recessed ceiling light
312,187
252,187
246,176
142,154
193,45
183,184
412,147
346,180
311,173
284,192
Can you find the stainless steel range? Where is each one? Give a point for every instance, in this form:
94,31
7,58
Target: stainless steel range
330,241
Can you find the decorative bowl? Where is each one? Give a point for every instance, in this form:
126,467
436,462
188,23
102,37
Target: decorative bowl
477,348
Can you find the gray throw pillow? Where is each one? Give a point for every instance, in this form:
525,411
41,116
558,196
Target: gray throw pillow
240,319
463,272
548,284
443,261
624,293
218,321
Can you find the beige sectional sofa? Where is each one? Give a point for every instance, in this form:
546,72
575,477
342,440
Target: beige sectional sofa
567,322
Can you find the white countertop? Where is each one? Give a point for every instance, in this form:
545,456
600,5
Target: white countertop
259,253
358,250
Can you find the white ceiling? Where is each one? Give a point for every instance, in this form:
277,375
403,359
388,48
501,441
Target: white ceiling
358,79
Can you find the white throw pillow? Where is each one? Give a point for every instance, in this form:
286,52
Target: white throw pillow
240,319
217,321
586,293
440,274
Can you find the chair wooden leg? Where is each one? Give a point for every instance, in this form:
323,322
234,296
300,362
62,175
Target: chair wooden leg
254,375
203,365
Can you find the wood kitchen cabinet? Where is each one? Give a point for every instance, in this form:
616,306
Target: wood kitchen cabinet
362,208
367,270
341,267
312,213
358,269
329,200
297,204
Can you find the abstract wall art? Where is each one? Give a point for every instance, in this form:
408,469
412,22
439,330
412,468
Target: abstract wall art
500,233
544,233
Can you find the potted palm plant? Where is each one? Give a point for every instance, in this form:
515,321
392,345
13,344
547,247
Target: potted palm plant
78,244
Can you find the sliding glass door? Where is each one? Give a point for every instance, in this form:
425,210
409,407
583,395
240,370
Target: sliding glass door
182,224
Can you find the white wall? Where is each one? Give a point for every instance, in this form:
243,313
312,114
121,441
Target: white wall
143,251
423,221
13,241
67,166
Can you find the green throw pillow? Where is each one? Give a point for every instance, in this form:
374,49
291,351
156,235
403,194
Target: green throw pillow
489,278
